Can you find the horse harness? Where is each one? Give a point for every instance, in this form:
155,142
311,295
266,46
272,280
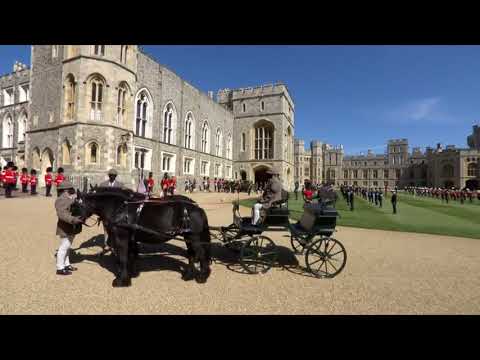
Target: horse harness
184,228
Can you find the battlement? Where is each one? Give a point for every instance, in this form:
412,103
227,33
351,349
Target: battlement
224,95
398,142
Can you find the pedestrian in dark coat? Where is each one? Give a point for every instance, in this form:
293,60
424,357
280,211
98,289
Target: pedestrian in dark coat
394,201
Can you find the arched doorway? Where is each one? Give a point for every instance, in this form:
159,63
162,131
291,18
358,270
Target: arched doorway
261,176
36,159
46,161
243,175
472,184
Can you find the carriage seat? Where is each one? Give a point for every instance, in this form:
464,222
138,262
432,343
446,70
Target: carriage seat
278,211
247,228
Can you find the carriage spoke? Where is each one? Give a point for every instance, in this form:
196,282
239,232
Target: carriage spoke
338,252
332,265
316,261
318,270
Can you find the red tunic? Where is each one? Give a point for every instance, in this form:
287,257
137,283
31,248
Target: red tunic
9,177
59,179
165,183
2,176
48,179
33,180
150,183
308,194
24,179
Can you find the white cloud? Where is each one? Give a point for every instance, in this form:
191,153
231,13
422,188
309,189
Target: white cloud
423,110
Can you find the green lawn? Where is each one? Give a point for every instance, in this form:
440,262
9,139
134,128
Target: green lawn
414,214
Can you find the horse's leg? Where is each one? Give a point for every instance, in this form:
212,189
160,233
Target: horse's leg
201,256
189,273
132,257
121,240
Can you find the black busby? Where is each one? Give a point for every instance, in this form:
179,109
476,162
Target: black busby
60,170
49,169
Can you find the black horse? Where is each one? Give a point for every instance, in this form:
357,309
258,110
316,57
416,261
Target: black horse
129,219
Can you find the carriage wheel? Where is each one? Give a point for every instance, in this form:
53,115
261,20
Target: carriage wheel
258,254
325,257
297,246
230,236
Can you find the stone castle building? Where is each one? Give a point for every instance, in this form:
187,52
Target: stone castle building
449,167
88,108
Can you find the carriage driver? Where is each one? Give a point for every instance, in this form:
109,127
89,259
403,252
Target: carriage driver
111,182
272,193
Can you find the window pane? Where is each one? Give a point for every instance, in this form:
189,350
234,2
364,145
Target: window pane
100,88
94,92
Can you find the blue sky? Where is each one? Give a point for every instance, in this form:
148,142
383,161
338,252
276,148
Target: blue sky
358,96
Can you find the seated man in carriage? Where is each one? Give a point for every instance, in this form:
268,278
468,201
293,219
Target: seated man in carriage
271,195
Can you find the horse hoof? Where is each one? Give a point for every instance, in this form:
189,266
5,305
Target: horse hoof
135,274
201,279
121,283
188,276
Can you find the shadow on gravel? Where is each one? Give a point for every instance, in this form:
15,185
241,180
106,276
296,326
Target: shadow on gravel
150,258
158,257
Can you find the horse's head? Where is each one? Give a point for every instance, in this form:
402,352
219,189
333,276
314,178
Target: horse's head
83,206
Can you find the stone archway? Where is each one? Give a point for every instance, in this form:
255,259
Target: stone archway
472,184
261,176
243,175
36,159
46,161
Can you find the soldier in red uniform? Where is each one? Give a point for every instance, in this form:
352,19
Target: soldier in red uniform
33,182
164,184
150,183
9,180
59,178
24,180
48,182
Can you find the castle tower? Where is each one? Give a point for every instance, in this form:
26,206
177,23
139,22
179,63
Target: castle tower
264,131
81,108
316,167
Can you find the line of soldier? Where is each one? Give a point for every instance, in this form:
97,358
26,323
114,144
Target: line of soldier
444,194
373,195
9,178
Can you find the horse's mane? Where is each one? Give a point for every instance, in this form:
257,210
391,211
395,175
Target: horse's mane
124,193
128,194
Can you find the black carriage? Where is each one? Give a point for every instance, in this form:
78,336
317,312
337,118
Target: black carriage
311,235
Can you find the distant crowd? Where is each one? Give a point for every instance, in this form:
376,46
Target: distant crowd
444,194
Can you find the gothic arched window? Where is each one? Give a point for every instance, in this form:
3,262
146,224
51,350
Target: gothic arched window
264,140
169,124
205,138
7,130
69,97
472,169
97,86
121,104
143,110
218,142
189,132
